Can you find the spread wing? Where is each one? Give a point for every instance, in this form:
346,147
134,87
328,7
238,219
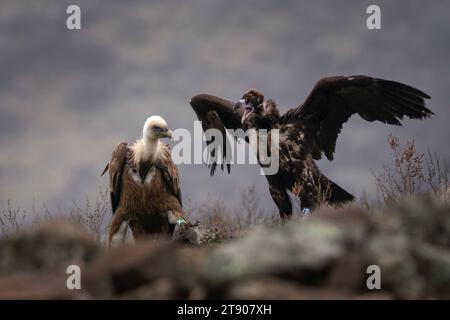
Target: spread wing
170,173
217,113
116,166
335,99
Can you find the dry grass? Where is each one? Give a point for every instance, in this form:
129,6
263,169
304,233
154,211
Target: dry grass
412,173
234,220
324,192
11,219
409,173
93,215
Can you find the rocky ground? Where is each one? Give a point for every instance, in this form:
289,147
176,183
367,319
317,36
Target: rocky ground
322,256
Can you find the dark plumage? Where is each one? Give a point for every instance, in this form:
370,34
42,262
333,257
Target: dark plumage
310,130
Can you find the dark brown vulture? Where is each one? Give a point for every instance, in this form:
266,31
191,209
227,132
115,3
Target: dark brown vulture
310,130
144,185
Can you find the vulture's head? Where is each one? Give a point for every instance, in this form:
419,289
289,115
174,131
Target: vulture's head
155,128
256,114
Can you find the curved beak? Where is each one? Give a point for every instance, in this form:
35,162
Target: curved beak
168,134
248,110
239,104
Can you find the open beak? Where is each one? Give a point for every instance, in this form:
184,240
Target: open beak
248,110
168,134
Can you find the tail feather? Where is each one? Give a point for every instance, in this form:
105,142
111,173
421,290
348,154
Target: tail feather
337,194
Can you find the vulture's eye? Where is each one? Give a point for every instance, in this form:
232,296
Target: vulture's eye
157,129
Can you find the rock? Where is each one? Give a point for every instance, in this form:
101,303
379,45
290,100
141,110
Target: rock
139,268
275,289
399,274
424,219
412,247
324,256
302,250
197,234
159,289
52,246
35,286
434,264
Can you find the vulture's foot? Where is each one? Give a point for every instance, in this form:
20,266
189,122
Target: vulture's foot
306,211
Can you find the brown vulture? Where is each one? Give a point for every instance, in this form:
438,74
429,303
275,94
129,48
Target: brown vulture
144,185
310,130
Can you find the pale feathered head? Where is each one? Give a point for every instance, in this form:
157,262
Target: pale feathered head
156,127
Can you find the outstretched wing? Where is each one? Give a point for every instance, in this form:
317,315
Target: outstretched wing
217,113
335,99
116,166
170,173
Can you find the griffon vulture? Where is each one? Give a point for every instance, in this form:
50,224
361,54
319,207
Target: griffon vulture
310,130
144,185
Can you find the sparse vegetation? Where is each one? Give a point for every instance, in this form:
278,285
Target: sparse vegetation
93,215
410,173
11,219
409,239
324,192
233,221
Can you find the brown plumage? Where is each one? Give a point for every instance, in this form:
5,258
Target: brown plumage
144,185
310,130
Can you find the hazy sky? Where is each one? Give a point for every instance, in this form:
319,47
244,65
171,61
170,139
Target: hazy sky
68,97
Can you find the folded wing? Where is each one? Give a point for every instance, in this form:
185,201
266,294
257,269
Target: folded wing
115,167
170,173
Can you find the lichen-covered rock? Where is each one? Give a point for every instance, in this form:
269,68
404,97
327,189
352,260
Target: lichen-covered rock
412,247
147,267
302,250
434,264
197,234
322,256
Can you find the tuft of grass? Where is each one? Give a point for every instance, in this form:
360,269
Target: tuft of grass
411,173
324,192
234,221
94,215
11,219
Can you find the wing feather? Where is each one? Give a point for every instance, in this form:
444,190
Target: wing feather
334,100
115,167
217,113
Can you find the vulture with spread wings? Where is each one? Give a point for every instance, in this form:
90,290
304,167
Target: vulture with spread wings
310,130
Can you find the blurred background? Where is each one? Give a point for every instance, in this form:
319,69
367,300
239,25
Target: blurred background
68,97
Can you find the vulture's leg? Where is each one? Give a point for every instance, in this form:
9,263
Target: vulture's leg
310,190
117,230
281,198
176,223
176,217
307,203
308,199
